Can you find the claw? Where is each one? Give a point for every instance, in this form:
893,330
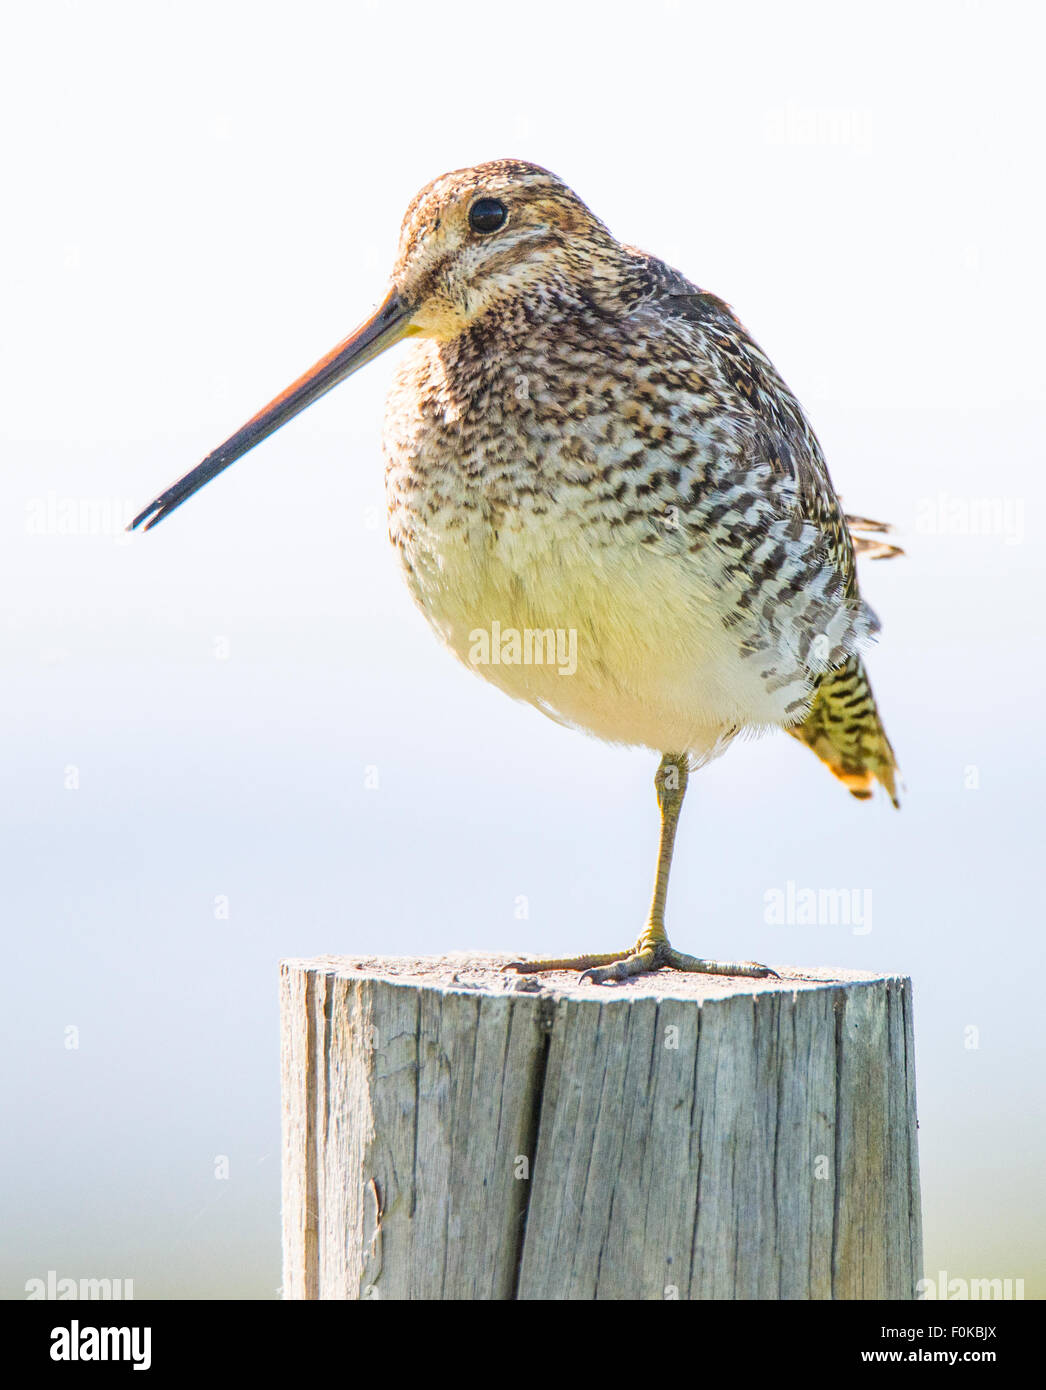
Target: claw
636,963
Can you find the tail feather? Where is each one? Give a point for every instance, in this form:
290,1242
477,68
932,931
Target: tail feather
844,729
870,546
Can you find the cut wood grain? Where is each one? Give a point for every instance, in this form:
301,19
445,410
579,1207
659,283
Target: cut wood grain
451,1131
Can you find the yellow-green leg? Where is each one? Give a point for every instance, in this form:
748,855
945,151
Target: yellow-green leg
653,950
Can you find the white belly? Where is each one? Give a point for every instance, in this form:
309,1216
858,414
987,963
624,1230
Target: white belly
605,635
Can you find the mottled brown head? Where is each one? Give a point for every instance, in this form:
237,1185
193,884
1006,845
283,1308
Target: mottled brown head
471,240
477,236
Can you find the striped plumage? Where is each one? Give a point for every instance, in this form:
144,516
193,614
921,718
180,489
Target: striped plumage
580,442
601,445
844,729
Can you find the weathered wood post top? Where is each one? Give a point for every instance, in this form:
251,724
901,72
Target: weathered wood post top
452,1131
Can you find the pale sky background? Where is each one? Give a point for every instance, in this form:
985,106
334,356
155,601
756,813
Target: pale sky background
200,200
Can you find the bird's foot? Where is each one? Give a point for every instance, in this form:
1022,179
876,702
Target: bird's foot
751,969
586,963
649,953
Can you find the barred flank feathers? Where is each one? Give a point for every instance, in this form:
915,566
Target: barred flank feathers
844,730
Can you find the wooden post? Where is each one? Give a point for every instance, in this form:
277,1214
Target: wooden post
450,1131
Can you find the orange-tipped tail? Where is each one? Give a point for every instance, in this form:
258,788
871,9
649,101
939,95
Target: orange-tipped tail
844,729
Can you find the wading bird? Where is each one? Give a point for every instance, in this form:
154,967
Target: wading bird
580,441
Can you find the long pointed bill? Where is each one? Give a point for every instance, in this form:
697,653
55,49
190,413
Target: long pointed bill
389,324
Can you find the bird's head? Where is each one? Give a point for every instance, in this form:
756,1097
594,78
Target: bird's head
471,240
476,238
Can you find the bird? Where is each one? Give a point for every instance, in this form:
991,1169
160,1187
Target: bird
606,501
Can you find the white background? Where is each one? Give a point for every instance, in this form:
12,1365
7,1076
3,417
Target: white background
199,200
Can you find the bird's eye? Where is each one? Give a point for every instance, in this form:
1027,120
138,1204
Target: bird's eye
487,215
